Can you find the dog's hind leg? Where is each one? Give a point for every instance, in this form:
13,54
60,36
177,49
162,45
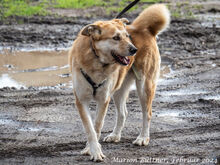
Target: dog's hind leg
120,98
93,144
146,91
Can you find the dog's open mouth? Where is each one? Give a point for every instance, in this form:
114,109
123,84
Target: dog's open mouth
123,60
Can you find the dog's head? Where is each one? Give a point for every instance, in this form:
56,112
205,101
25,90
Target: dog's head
111,41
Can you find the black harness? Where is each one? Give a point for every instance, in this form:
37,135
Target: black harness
88,78
93,49
91,82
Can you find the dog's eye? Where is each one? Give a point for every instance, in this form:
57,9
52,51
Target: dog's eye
117,38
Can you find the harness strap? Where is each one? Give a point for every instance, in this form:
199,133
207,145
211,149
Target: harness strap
93,49
91,82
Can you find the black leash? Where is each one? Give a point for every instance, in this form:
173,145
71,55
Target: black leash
127,8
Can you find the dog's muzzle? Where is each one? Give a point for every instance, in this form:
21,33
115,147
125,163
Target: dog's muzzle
123,60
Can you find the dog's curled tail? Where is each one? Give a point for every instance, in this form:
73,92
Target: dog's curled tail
155,18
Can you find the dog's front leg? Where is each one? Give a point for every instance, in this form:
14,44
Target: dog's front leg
100,116
99,121
93,144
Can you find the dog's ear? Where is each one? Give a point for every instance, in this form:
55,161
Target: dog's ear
125,21
91,30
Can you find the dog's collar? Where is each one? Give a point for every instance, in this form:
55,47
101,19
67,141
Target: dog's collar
93,49
91,82
94,52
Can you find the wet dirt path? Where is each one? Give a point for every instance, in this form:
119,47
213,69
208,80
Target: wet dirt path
42,126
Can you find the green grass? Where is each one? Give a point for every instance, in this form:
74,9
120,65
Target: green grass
118,5
22,8
77,3
176,14
152,1
183,10
31,7
28,8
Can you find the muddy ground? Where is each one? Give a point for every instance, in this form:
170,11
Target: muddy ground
42,126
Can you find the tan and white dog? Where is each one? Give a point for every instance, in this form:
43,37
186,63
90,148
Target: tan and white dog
101,59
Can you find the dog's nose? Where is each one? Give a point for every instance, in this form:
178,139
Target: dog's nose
132,50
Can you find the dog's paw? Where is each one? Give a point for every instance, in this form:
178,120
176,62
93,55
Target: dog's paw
96,153
112,138
86,151
141,141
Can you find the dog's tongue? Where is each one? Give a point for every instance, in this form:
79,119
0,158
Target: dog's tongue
124,60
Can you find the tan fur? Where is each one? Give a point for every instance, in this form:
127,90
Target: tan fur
155,18
143,32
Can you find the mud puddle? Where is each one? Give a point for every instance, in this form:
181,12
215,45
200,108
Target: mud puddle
39,69
34,68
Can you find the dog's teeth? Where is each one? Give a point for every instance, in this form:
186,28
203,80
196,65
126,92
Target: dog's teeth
121,59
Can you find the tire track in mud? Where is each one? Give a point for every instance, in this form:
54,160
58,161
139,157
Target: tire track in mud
42,151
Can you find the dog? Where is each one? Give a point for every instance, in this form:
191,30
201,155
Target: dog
106,58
